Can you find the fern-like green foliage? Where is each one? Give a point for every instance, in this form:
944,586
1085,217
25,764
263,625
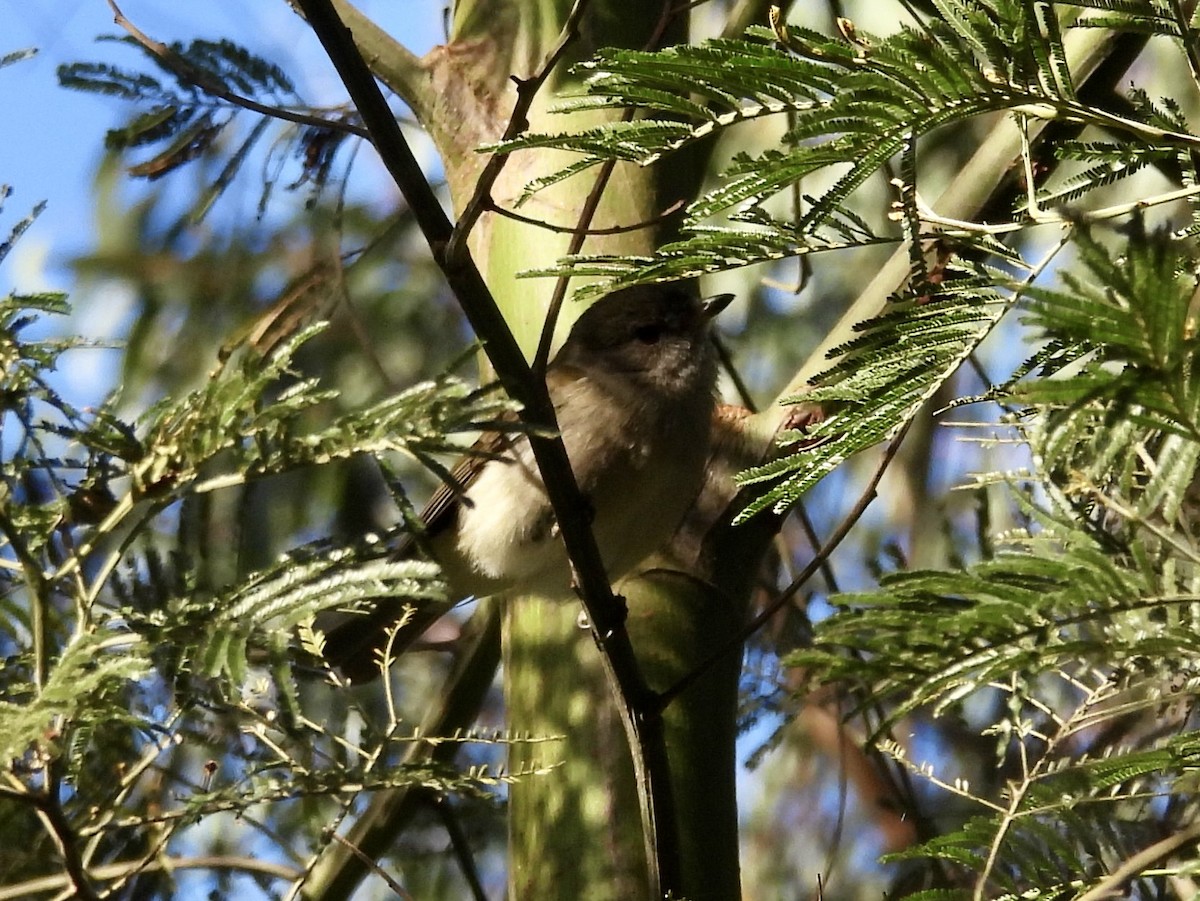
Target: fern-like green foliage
229,428
84,685
1122,415
1086,622
1039,606
85,689
1072,649
880,381
110,644
852,105
105,475
1152,17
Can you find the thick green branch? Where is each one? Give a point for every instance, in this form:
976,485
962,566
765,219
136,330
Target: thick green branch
393,63
976,187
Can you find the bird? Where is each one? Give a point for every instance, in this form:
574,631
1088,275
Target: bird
634,391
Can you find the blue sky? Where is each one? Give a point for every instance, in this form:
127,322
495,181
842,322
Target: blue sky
53,138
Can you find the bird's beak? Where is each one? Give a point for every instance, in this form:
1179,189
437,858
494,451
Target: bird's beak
715,304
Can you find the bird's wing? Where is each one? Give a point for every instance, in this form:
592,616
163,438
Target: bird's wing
441,509
352,643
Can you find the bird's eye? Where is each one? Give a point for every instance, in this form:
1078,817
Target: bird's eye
648,334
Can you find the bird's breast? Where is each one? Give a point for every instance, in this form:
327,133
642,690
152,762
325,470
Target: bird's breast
638,467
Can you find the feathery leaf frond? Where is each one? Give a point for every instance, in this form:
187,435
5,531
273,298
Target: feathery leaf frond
880,381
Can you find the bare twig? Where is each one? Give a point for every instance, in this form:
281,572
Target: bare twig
374,867
458,841
735,376
587,212
130,779
215,88
951,226
541,359
236,863
51,814
1107,888
335,873
527,89
393,63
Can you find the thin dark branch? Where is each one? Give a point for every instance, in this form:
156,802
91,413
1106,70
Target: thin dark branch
228,863
814,541
393,63
214,88
743,390
1139,862
55,820
462,847
587,212
374,867
518,122
357,327
337,873
832,857
731,370
640,712
575,229
848,522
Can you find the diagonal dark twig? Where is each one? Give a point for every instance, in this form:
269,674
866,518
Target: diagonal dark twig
640,714
374,867
518,121
459,844
215,88
51,813
587,212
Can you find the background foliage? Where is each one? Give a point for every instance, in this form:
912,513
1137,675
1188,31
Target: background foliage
994,684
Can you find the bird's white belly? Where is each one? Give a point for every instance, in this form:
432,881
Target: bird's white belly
506,529
516,544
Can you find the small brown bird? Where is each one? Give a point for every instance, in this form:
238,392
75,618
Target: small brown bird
633,388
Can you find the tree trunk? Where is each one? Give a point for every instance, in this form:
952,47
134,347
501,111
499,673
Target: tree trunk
576,830
576,827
